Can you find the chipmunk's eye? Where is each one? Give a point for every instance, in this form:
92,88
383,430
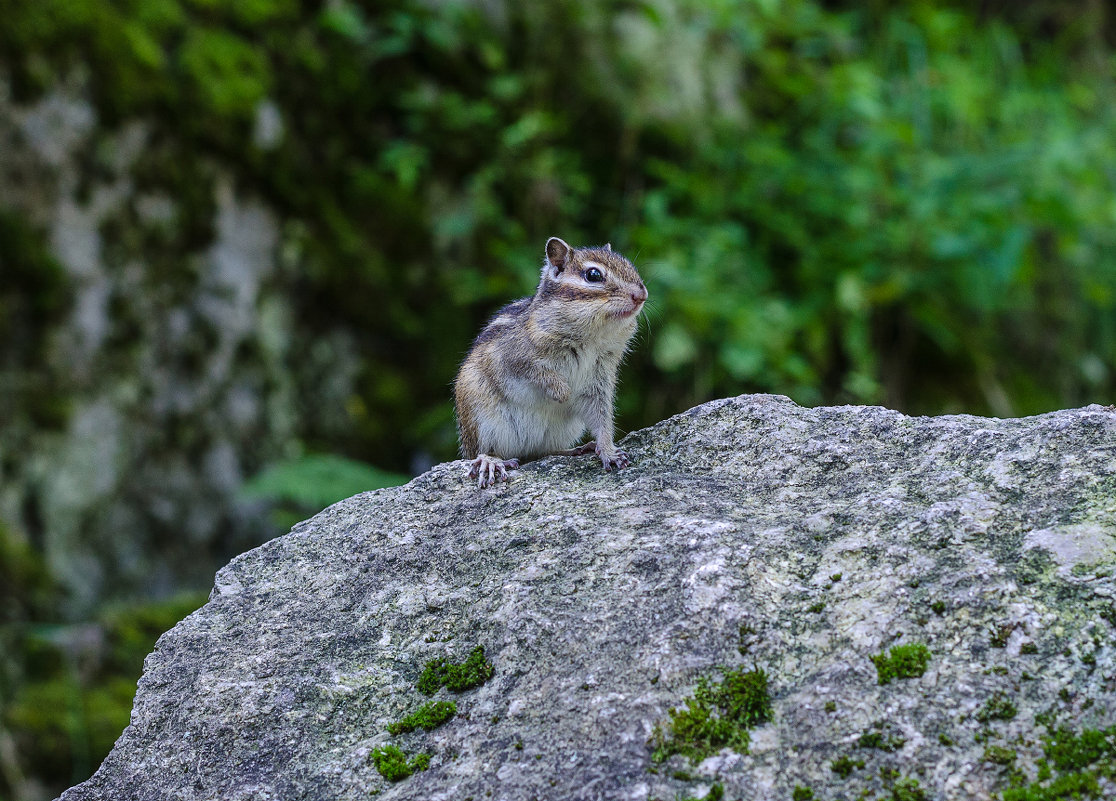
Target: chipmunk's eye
594,275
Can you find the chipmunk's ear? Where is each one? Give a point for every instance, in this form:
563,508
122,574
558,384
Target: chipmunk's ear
557,254
608,246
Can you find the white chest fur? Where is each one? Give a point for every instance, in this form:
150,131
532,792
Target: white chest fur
532,424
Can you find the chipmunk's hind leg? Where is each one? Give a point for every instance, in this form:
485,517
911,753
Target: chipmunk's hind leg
580,450
616,460
487,470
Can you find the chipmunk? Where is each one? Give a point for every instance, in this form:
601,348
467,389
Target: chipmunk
544,368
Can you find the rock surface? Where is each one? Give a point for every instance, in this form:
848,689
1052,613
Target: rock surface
749,532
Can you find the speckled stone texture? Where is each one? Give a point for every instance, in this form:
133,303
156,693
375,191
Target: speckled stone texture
749,531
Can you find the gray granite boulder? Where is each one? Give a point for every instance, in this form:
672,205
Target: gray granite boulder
750,534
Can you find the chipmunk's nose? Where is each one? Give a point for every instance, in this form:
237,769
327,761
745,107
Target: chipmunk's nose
641,295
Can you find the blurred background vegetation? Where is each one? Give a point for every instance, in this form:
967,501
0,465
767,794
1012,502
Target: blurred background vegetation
245,243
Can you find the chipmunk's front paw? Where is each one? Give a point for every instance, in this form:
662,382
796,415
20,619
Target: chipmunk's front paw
614,459
487,470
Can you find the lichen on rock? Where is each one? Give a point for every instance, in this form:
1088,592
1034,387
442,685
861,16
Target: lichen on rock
602,601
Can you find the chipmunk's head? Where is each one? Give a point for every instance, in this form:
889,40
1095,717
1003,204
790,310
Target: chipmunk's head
591,286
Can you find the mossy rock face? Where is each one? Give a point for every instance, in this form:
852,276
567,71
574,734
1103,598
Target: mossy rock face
603,601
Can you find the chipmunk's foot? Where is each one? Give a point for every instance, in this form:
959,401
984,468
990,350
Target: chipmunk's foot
614,459
487,470
580,450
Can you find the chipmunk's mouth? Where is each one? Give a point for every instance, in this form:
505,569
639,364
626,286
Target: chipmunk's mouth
619,308
629,312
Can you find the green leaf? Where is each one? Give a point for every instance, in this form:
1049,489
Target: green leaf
314,482
228,73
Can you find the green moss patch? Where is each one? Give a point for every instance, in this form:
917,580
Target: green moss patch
393,764
844,765
1082,758
716,716
1072,785
1069,751
902,662
999,755
907,790
438,673
883,736
429,716
998,707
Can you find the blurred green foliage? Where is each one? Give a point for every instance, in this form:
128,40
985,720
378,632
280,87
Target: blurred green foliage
66,689
921,214
905,203
34,293
300,487
909,204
